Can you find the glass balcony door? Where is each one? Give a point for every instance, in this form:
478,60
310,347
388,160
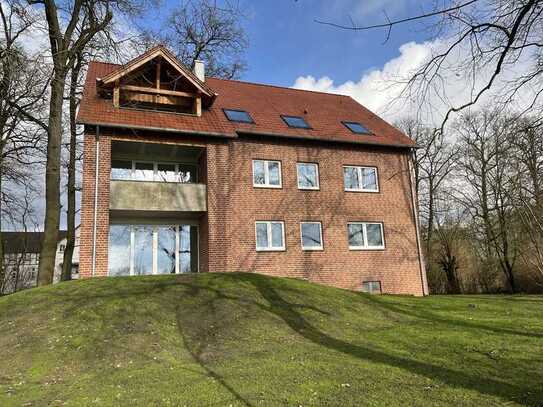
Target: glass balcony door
152,249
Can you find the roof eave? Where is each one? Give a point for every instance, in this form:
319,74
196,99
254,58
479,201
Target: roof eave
157,129
325,139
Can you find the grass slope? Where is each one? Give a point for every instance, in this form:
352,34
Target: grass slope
246,339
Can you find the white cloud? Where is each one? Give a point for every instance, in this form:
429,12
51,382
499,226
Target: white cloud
380,89
377,88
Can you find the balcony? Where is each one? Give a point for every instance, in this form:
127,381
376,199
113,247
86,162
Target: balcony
128,195
156,179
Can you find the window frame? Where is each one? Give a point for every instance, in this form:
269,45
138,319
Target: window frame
155,170
134,169
267,174
346,123
315,188
359,172
284,117
252,121
154,246
371,291
365,247
270,248
316,248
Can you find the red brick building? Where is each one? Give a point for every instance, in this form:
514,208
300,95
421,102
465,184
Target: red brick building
184,173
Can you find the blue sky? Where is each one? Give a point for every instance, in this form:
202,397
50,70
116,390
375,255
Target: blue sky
286,42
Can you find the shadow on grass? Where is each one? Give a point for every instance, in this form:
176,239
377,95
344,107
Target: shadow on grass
296,321
421,313
290,313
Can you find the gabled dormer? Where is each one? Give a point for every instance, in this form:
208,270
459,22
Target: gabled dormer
157,81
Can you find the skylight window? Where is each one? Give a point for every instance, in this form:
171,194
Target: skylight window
238,116
295,121
356,128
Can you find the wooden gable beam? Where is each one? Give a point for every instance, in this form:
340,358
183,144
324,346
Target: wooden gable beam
143,89
158,74
166,57
197,110
116,95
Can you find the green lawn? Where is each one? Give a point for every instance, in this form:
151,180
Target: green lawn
246,339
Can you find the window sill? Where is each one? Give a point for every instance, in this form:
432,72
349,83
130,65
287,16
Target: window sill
358,248
313,249
371,191
272,250
309,189
268,186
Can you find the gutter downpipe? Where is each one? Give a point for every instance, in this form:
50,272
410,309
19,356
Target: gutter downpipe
414,202
94,226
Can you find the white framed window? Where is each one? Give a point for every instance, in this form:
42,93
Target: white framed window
360,179
365,236
152,249
311,235
270,235
371,287
134,170
266,174
308,175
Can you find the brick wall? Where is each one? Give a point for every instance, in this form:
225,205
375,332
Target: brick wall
227,231
240,205
87,205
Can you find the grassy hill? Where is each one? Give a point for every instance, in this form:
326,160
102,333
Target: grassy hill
245,339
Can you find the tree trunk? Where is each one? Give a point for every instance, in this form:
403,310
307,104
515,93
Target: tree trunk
48,251
1,238
430,227
70,213
452,278
510,276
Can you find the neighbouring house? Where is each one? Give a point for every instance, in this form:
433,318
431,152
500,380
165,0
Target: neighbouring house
22,257
184,173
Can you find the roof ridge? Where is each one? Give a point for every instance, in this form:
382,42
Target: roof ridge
278,86
248,82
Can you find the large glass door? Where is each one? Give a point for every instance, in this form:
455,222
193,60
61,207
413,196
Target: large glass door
166,242
153,249
142,250
119,250
188,249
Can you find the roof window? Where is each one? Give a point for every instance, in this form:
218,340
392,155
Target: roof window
296,122
240,116
356,127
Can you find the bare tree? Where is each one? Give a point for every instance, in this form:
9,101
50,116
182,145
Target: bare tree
434,160
203,30
527,154
487,187
17,273
23,84
483,39
71,28
451,234
73,100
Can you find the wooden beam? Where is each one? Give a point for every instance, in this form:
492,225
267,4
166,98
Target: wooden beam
143,89
198,106
116,102
158,74
170,59
157,80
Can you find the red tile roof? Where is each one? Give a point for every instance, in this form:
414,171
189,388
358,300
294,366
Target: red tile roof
265,103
